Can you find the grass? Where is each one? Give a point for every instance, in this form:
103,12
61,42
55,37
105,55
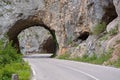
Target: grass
69,41
99,28
118,41
11,63
114,31
64,56
23,71
94,59
117,63
1,14
7,2
104,37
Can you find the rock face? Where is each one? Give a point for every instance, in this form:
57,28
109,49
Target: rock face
66,20
34,40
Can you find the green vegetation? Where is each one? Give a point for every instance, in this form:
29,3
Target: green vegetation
94,59
9,10
69,40
1,14
117,63
27,0
48,33
114,31
64,56
37,36
118,41
7,2
104,37
11,63
99,28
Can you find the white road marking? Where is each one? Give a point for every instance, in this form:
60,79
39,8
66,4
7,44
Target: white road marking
81,72
34,73
87,74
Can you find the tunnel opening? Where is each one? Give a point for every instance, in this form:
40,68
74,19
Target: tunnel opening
23,24
36,40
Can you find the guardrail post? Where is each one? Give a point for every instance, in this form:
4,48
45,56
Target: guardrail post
15,77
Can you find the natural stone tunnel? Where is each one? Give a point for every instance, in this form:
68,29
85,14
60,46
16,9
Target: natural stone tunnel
23,24
61,17
36,39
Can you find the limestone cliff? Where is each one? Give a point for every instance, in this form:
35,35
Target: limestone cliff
79,26
36,40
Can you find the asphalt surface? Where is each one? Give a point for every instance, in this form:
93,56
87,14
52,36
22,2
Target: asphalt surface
45,68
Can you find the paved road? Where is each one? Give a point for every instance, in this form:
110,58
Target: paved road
45,68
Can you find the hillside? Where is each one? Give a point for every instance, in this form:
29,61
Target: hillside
79,27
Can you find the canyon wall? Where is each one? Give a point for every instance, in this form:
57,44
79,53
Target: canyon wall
79,26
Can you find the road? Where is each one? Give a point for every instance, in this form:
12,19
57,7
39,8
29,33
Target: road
45,68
